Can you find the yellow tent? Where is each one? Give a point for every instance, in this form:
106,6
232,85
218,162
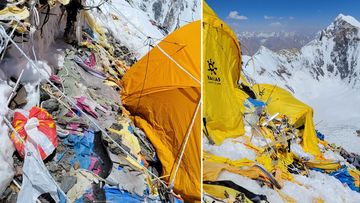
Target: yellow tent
299,114
162,91
223,101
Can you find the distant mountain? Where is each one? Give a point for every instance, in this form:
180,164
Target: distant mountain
272,40
325,73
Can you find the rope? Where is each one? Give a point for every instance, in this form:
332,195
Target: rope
46,19
143,85
79,109
185,143
3,46
178,65
36,16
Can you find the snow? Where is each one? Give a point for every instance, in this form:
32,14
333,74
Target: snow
324,186
348,19
230,149
130,34
314,186
124,31
6,146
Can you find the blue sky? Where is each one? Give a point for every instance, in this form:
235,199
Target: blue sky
287,15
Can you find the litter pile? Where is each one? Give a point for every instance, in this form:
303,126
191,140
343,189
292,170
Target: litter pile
267,148
78,144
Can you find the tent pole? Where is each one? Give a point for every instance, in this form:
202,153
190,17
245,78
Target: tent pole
13,92
185,143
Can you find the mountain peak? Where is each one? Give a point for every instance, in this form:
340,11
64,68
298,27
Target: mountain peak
263,49
348,19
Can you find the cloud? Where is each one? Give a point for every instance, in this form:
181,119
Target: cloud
269,17
277,17
275,24
235,16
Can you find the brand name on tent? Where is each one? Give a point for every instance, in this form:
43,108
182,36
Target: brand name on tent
212,72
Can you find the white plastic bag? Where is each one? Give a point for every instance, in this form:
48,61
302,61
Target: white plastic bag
36,180
7,162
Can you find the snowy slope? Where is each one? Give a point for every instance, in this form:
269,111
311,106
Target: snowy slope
316,185
152,18
325,74
170,14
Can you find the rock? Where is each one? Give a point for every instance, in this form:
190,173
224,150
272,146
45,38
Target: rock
67,183
53,167
51,105
76,165
19,100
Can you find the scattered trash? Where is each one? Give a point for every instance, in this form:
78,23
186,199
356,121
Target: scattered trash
266,147
76,142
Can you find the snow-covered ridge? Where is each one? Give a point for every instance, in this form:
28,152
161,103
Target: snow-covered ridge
325,73
154,18
265,34
272,40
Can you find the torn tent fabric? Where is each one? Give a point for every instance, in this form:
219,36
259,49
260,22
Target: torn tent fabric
327,165
163,99
220,189
213,165
283,102
223,101
37,125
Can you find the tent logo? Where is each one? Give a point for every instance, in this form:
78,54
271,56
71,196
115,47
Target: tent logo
212,69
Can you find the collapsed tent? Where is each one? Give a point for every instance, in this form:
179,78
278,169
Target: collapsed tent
162,91
301,115
265,138
223,101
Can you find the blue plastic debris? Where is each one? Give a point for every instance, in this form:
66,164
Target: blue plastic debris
113,194
344,177
255,102
320,135
83,147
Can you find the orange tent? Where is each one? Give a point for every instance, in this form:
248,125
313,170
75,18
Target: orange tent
162,91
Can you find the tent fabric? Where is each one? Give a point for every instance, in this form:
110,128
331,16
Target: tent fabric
324,164
213,165
223,101
220,188
283,102
163,99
